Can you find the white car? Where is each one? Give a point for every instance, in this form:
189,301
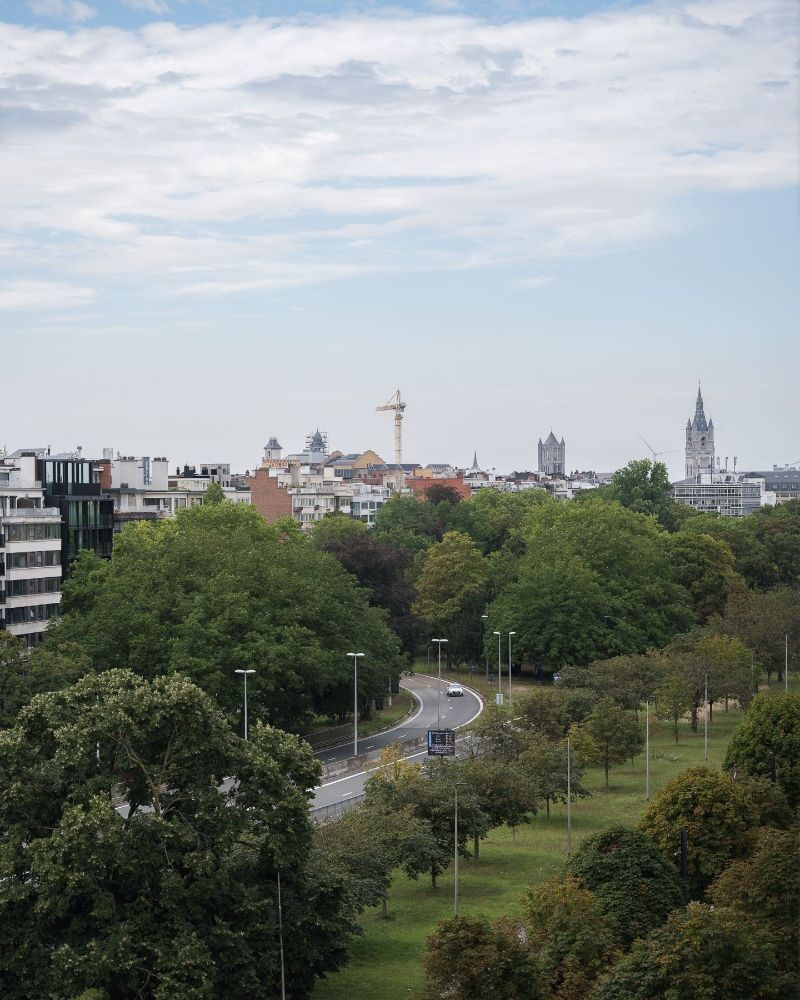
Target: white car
455,690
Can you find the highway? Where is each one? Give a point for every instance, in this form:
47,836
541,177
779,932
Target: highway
455,712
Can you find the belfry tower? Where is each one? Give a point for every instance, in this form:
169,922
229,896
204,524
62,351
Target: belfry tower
699,441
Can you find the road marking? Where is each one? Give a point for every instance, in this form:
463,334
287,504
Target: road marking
405,722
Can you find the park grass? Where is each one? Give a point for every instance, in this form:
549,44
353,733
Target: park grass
387,960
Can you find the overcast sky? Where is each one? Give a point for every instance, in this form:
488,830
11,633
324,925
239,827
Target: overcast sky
226,220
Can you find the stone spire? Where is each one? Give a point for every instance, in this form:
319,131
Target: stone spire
699,441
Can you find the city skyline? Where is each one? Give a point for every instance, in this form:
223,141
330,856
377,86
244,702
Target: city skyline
226,221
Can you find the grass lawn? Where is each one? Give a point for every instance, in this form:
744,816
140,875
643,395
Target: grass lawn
384,718
387,960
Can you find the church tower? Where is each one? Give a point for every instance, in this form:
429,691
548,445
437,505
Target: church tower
552,456
699,441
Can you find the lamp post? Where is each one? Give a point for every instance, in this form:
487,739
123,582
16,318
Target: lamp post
647,753
786,663
439,688
245,674
509,665
355,701
705,715
499,670
569,798
485,618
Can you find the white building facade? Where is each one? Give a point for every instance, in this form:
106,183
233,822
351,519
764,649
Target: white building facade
30,552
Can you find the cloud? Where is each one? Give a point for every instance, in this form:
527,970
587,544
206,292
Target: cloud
62,10
153,6
245,156
537,281
25,294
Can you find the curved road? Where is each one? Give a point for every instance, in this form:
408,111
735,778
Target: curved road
455,712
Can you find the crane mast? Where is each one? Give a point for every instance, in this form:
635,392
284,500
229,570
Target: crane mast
396,405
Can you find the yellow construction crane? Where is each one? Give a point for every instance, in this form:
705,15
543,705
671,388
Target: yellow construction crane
397,405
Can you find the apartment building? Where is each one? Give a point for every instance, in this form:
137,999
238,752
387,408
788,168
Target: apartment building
30,551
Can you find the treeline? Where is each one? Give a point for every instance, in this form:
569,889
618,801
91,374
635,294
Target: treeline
619,571
621,924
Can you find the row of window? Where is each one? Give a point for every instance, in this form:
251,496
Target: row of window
32,532
32,613
27,560
39,585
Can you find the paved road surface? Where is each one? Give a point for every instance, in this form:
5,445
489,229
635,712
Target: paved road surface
454,712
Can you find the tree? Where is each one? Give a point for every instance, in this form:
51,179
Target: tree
214,494
587,565
674,698
635,886
704,566
569,936
368,843
507,794
765,888
771,726
615,732
717,813
467,957
407,522
24,673
214,590
702,951
173,892
451,591
761,621
380,568
751,558
541,712
628,680
546,762
496,736
643,486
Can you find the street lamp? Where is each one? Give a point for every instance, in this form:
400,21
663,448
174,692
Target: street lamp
355,701
499,670
509,665
245,674
483,619
439,692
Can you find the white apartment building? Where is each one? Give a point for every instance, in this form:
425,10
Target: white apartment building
30,552
726,493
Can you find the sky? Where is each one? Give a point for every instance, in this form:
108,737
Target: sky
229,219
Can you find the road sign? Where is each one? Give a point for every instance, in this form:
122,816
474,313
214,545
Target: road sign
441,743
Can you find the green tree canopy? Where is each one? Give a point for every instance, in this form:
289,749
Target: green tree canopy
765,888
718,814
127,870
595,581
702,951
569,936
643,486
772,725
761,621
704,566
635,886
467,957
216,590
615,733
451,591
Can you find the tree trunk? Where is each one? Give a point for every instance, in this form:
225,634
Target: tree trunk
477,843
385,908
711,711
694,718
606,767
547,806
726,702
676,732
434,873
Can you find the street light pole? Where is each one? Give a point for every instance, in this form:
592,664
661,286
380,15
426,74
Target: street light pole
647,753
245,674
569,798
439,690
455,856
786,663
509,665
499,671
483,619
705,716
355,701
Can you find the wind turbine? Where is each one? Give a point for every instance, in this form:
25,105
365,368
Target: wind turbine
655,453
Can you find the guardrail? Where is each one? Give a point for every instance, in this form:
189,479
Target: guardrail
324,814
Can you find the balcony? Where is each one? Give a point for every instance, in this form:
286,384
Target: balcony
31,513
